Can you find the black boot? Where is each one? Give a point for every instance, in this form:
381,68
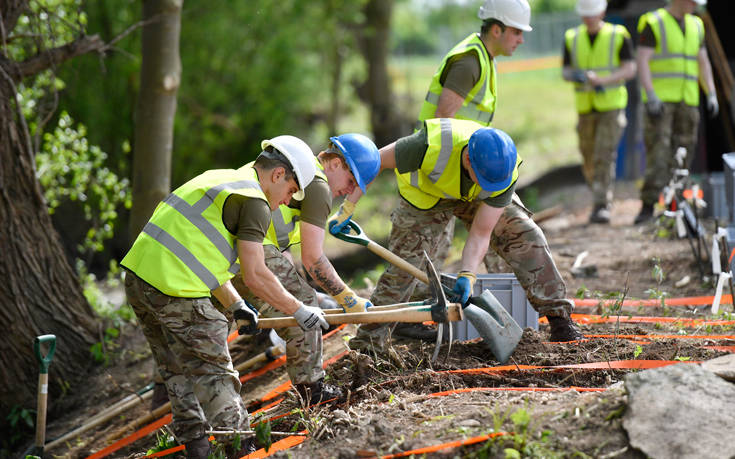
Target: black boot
317,392
160,396
562,328
198,449
415,331
645,214
600,214
247,446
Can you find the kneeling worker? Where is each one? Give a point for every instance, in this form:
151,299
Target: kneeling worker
186,253
350,161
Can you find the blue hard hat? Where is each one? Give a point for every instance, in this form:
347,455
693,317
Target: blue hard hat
361,156
492,157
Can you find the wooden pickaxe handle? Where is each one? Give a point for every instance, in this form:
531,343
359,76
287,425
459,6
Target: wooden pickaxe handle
419,314
391,257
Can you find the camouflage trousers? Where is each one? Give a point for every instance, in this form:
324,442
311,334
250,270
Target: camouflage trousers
188,339
303,349
663,135
516,239
599,134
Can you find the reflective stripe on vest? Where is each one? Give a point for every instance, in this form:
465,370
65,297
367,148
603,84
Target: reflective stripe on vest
674,66
200,254
285,229
439,176
479,105
602,57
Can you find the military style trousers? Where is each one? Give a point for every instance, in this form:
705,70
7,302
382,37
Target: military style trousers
516,239
303,349
188,338
599,134
663,135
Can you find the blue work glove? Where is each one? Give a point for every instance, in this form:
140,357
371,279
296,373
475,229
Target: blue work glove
463,287
339,221
246,317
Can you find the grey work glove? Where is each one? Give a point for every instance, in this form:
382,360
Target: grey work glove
310,317
713,107
654,106
246,317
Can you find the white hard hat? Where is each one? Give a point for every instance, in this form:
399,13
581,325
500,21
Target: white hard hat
591,7
301,157
512,13
700,2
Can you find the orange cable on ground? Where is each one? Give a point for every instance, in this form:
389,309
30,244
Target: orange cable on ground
131,438
649,337
451,444
681,301
688,321
517,389
614,364
280,445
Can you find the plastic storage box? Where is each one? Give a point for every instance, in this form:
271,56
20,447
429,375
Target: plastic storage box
509,293
714,196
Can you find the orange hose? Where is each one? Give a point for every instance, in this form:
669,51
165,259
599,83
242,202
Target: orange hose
712,337
598,319
682,301
451,444
280,445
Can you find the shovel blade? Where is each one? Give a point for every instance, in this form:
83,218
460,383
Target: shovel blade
499,331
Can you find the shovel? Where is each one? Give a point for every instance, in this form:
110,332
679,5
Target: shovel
44,361
499,331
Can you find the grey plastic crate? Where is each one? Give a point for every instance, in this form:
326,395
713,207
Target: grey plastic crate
509,293
714,195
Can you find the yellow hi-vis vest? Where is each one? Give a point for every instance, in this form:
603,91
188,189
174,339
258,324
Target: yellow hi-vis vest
674,66
185,250
440,172
285,229
479,105
603,58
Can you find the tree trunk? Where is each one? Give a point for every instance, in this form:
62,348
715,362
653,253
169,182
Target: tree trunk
39,292
154,118
386,122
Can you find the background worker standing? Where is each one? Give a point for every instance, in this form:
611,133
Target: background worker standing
598,58
186,253
465,87
350,161
448,168
672,61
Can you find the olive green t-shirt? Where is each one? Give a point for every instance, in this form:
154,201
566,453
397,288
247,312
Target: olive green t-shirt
461,73
410,152
317,203
247,218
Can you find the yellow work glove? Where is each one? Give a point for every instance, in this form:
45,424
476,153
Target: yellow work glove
463,287
338,223
350,302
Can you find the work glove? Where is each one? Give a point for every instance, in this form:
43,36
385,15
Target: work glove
350,302
339,221
463,287
654,106
246,317
713,107
579,76
310,317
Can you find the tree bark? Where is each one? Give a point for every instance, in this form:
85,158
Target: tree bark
39,292
154,118
387,124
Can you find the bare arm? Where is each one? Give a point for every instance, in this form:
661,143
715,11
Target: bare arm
644,71
226,294
315,262
478,239
705,71
449,103
258,278
623,73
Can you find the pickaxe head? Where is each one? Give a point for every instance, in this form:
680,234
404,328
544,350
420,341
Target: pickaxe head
439,307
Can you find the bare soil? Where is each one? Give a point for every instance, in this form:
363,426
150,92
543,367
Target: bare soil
388,407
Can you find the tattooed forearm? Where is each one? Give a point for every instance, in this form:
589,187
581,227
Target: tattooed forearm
326,276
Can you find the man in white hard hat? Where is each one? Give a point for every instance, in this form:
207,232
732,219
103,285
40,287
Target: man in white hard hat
465,87
598,59
187,253
672,62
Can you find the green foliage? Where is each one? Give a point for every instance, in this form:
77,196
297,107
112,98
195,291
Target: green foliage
70,169
522,441
21,422
164,441
638,351
263,434
101,350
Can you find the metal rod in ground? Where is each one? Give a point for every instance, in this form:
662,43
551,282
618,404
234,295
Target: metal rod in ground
251,433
